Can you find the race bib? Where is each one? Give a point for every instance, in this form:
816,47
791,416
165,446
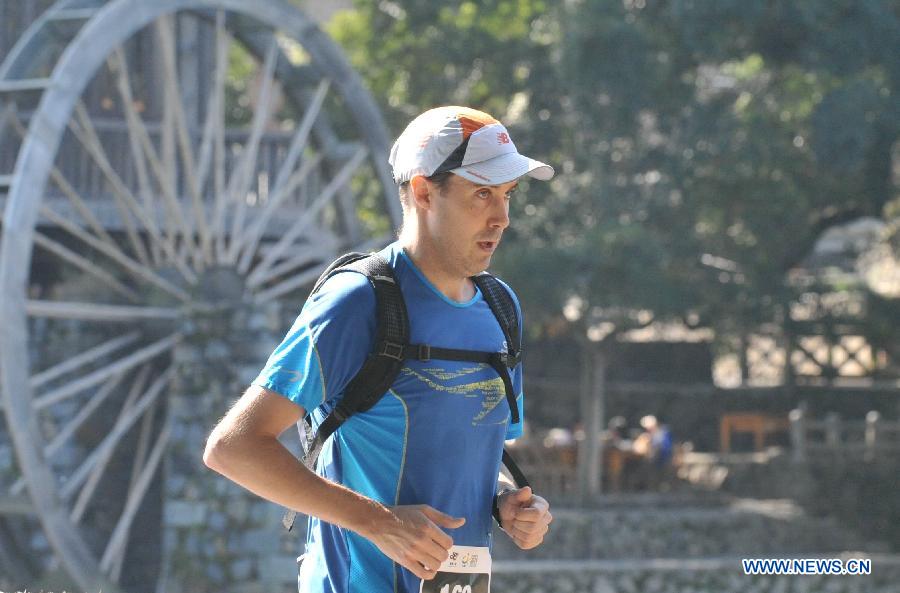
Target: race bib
466,570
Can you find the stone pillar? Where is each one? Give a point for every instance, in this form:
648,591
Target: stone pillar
217,535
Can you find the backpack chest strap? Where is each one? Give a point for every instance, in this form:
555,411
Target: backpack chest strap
501,362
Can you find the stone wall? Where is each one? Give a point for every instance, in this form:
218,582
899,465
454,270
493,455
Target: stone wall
711,577
736,528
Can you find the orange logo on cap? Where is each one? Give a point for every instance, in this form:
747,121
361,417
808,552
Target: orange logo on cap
503,138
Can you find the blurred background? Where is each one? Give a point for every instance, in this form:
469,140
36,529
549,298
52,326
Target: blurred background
711,282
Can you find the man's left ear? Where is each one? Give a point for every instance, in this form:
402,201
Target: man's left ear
421,192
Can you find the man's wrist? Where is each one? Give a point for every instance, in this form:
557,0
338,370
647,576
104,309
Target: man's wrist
495,505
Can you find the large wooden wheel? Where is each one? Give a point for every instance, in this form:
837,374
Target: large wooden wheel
144,214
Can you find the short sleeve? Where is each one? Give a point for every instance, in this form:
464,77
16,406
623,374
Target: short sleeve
327,344
514,431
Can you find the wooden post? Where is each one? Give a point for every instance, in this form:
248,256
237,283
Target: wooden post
585,407
833,433
872,420
593,394
798,434
596,421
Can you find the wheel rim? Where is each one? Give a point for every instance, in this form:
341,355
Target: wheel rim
146,282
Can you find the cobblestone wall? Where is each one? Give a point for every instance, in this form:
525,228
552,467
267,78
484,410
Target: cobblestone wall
217,535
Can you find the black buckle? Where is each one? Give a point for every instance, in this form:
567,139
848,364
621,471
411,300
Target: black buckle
424,352
510,359
391,350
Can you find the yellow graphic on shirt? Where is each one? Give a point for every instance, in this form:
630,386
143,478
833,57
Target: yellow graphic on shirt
490,390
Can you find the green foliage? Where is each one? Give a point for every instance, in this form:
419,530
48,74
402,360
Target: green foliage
701,147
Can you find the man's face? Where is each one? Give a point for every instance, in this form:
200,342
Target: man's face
466,221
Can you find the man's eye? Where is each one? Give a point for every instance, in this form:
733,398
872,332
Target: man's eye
484,193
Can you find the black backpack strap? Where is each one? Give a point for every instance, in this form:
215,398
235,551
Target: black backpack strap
380,368
504,309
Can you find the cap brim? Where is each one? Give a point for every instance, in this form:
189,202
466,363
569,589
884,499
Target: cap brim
505,168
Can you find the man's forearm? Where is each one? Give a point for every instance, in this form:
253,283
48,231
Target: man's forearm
265,467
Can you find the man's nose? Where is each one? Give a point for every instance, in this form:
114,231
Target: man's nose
500,214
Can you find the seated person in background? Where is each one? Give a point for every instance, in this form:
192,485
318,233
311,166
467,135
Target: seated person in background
655,446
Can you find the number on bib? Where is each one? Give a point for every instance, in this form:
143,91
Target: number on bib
456,589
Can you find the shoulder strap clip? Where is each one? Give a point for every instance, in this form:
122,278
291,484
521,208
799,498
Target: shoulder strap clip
391,350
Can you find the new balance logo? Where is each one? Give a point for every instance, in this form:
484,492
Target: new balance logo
502,138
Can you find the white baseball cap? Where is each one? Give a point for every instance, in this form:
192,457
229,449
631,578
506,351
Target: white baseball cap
464,141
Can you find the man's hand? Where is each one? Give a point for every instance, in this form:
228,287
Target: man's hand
412,537
524,516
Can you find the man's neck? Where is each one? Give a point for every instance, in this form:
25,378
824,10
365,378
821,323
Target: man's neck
425,257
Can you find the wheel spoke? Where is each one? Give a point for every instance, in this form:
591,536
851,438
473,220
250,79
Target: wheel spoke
271,207
240,182
285,182
217,232
172,90
119,67
123,423
119,540
139,270
95,312
124,200
77,201
321,249
102,374
308,276
93,467
287,286
66,433
82,359
85,412
304,221
84,265
95,471
213,106
143,152
301,136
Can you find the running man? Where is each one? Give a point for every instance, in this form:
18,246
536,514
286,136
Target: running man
403,492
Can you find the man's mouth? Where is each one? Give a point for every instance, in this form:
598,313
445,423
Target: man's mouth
489,246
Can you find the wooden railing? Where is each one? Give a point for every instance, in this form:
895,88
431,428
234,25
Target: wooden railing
80,170
867,439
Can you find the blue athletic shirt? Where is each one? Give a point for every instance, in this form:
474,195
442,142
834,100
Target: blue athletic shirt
434,438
